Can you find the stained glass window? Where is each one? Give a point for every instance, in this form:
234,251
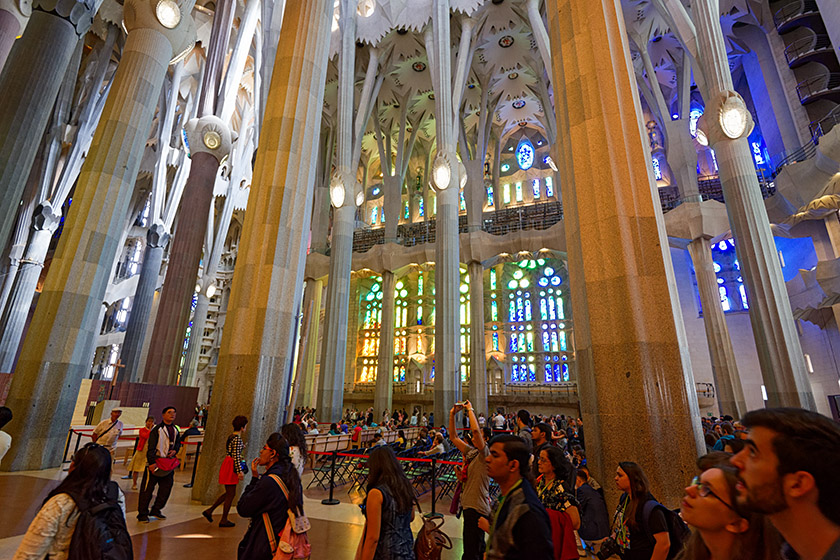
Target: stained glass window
490,194
536,189
549,186
406,211
463,203
525,154
506,193
731,289
518,192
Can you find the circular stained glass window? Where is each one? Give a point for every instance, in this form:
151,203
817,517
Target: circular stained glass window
506,41
525,154
418,66
518,104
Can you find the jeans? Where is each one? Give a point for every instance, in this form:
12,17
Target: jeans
473,536
164,484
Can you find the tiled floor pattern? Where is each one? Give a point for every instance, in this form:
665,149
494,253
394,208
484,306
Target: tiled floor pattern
334,535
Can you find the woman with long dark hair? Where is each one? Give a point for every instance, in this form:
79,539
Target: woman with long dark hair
88,483
233,470
264,495
297,445
638,539
721,529
389,510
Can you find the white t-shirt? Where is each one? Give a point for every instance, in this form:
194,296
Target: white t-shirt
297,459
5,444
110,437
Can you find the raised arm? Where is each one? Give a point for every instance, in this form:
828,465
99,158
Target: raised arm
477,435
453,433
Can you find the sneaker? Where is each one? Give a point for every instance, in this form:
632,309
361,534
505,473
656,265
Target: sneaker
157,515
126,477
227,524
143,518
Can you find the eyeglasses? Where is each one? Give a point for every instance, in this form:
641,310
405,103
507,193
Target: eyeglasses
703,490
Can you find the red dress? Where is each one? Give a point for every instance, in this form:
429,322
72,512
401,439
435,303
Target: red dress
232,464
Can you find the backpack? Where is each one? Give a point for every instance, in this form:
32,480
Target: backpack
431,540
100,532
293,544
677,529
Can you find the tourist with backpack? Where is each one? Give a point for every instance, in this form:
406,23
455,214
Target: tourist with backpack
267,500
83,518
388,509
640,524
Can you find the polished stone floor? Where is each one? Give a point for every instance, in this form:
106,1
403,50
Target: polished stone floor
185,533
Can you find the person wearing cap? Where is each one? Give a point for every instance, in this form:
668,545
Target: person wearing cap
108,432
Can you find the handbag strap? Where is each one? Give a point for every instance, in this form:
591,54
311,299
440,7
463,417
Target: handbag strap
272,538
285,490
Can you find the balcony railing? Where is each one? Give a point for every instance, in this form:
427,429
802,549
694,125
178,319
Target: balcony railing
793,10
801,48
710,189
818,86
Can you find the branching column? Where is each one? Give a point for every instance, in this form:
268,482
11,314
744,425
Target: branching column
13,17
257,348
478,355
776,338
29,85
383,396
141,307
55,356
633,365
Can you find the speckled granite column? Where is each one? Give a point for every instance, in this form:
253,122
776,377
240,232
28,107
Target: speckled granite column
776,338
141,306
44,223
730,394
29,85
55,356
382,398
478,354
635,383
257,348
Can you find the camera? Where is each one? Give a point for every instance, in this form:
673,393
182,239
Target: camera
608,548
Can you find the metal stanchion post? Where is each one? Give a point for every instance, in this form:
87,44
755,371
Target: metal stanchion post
195,465
332,501
67,446
434,462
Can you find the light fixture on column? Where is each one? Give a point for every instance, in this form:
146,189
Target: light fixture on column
462,171
735,119
360,194
198,288
211,291
168,13
551,163
212,139
337,190
701,137
441,171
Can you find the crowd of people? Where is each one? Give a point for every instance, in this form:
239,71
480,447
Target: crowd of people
767,489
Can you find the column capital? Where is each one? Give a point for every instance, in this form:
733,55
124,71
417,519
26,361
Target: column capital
209,135
157,236
170,18
79,13
20,9
45,218
726,118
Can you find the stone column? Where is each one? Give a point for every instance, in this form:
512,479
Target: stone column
13,17
29,86
730,394
44,223
257,348
55,357
478,353
776,338
632,367
199,321
141,308
382,399
311,348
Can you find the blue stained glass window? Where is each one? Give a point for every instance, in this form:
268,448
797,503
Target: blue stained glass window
518,192
530,343
406,212
693,116
562,341
565,370
494,311
532,373
373,213
546,343
489,195
552,315
496,342
525,154
512,312
549,376
422,208
543,310
527,309
514,343
657,170
549,186
536,188
560,313
463,204
554,345
382,216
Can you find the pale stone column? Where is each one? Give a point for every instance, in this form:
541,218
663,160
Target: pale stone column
210,142
257,348
199,321
311,348
55,356
29,85
141,307
382,399
44,223
300,379
776,338
632,369
730,394
478,353
13,17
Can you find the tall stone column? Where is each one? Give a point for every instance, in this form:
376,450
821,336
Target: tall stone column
55,356
730,394
383,397
44,223
141,308
309,385
257,348
13,17
478,353
199,321
210,141
628,327
776,339
29,85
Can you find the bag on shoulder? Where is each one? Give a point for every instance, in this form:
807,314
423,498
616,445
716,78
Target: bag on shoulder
431,540
100,532
678,531
293,543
